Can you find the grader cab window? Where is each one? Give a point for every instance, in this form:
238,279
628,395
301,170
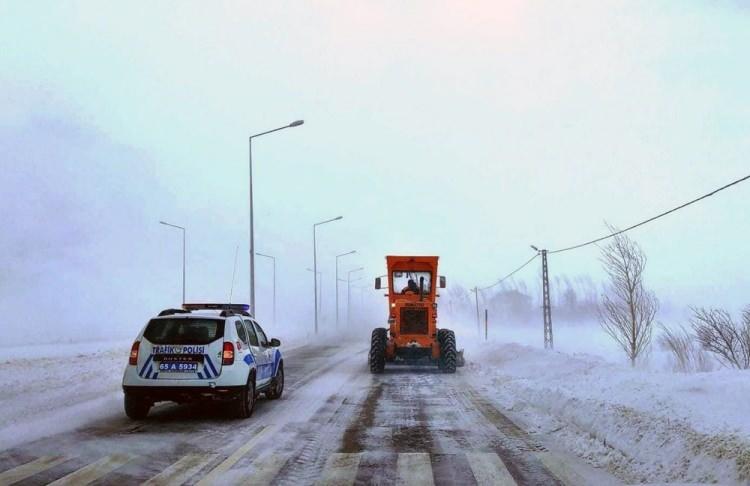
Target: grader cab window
408,282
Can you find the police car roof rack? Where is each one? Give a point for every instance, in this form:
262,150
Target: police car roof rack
226,309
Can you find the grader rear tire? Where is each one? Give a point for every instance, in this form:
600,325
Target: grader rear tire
448,355
376,357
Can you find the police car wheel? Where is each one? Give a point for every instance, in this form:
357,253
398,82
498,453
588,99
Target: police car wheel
277,387
136,408
245,402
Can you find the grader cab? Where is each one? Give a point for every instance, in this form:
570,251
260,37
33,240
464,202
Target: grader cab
412,336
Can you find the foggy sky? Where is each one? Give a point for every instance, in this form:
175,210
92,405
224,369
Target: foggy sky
466,131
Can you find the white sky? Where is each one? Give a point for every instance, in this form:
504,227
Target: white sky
467,131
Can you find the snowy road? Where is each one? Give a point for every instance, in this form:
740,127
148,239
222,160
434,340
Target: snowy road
336,424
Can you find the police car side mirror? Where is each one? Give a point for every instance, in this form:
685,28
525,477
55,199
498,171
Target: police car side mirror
377,283
442,281
275,343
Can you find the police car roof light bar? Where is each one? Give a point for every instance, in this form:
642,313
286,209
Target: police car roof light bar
215,306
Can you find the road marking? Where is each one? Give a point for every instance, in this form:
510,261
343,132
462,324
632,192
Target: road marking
340,470
24,471
489,469
263,470
182,470
557,466
95,470
213,476
415,469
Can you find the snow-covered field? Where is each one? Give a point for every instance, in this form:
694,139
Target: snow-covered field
643,426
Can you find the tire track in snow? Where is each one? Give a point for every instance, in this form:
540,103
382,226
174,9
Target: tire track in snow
516,447
313,444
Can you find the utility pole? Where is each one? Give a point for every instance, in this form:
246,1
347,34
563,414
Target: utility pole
476,299
547,309
486,319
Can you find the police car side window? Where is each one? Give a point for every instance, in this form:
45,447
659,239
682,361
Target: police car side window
241,332
261,335
251,333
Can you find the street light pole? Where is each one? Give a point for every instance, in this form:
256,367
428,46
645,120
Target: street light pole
361,289
252,227
183,254
337,283
319,276
273,258
349,292
315,264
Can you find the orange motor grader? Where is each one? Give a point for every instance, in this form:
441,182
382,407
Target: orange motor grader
412,336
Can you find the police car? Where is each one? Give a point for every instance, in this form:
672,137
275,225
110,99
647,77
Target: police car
202,352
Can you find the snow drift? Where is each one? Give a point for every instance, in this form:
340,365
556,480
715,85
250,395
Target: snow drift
643,426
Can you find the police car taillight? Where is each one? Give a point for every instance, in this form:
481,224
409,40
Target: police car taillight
227,356
134,353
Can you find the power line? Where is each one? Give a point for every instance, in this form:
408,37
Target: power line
591,242
511,273
653,218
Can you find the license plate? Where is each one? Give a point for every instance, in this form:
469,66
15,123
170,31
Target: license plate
178,367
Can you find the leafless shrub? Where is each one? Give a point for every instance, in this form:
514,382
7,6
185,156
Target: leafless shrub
719,334
687,355
627,310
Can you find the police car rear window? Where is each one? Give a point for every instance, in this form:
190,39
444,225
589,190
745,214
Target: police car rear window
184,331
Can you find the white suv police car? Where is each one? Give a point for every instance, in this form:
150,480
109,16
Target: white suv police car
202,352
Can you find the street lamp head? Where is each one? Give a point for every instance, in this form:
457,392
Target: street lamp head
296,123
172,225
329,220
534,248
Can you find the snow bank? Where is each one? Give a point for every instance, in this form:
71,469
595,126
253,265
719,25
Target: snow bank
643,426
51,389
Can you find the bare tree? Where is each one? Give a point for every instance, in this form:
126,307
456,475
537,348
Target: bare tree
687,355
627,309
719,334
